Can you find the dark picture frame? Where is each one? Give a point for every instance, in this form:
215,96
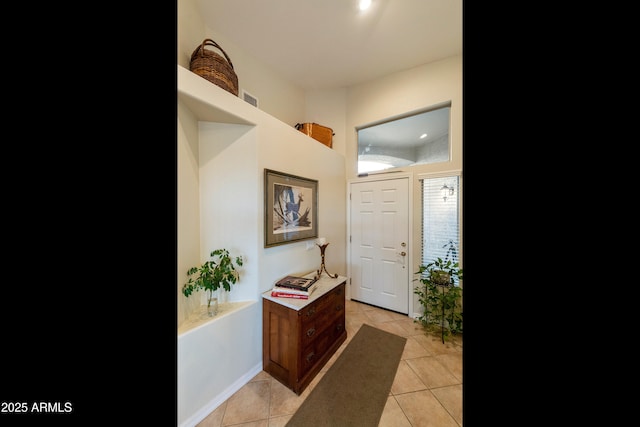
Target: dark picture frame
291,208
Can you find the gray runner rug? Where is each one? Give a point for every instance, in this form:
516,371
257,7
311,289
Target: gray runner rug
354,391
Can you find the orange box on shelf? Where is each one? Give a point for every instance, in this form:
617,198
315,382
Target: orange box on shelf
317,132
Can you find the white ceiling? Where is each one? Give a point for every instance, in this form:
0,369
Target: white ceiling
326,44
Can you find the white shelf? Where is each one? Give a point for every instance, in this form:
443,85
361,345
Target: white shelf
201,318
211,103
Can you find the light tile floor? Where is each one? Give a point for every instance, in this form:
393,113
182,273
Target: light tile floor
426,391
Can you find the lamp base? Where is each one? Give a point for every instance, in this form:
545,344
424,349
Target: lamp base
322,266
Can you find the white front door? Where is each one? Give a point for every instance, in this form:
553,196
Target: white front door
379,225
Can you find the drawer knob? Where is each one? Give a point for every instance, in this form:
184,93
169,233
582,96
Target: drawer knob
311,332
310,356
339,307
311,311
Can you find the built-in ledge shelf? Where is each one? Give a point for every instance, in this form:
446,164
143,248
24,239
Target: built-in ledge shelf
200,318
210,103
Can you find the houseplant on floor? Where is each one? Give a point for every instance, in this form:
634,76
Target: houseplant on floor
441,296
219,271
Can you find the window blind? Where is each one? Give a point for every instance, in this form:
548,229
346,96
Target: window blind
440,219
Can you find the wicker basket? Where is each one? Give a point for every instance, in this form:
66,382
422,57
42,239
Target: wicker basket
213,67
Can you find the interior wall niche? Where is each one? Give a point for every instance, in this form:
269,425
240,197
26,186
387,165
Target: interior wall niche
416,138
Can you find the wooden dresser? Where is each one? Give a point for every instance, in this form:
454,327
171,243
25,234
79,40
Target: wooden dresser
299,336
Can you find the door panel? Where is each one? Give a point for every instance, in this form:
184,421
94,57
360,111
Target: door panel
379,227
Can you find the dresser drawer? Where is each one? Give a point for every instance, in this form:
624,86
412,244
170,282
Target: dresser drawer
337,327
312,329
338,307
314,351
317,348
316,310
321,315
329,302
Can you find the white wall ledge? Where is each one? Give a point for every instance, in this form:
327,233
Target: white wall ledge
200,318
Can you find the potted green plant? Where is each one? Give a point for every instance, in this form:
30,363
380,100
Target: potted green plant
441,296
219,271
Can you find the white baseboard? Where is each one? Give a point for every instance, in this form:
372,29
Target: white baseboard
203,412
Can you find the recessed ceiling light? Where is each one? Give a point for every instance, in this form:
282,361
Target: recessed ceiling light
423,136
364,4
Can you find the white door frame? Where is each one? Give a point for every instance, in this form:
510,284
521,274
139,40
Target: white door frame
384,177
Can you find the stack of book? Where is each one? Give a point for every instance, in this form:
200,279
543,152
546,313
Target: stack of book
294,287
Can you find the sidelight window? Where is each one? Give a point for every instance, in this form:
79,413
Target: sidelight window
441,219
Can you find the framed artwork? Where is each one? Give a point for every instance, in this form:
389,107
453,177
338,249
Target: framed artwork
291,208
